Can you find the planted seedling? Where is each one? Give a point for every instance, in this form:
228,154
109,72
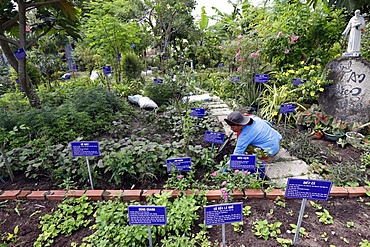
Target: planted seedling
279,202
325,236
247,210
364,243
262,229
302,230
238,227
344,240
316,205
284,242
350,224
290,213
325,217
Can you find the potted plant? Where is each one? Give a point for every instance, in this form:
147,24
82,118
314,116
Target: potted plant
354,138
335,129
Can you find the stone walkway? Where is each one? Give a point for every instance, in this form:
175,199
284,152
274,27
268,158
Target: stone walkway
282,165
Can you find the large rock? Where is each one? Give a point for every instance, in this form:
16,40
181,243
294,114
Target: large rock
348,98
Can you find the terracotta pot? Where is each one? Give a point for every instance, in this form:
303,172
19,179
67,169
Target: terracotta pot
318,134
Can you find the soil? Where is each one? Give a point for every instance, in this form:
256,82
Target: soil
340,233
25,215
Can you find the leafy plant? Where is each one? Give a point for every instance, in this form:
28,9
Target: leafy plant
315,205
279,202
247,210
238,227
364,243
325,217
302,230
284,242
70,216
265,230
11,238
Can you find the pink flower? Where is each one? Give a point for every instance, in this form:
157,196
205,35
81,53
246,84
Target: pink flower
214,174
225,195
240,60
245,172
180,176
240,36
255,54
286,51
236,171
293,39
237,55
220,47
223,190
239,68
238,44
223,183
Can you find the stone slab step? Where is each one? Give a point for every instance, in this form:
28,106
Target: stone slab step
221,112
286,169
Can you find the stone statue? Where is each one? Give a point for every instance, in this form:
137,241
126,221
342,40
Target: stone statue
354,27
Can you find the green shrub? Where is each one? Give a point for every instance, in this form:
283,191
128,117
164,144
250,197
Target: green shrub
132,65
161,93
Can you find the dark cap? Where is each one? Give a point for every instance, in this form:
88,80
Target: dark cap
237,118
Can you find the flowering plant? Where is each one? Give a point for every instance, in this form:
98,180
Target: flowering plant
235,180
312,78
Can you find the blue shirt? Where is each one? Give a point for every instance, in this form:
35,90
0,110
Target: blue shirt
259,134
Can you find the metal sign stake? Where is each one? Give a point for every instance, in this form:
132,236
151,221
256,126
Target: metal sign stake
150,237
300,217
88,168
223,236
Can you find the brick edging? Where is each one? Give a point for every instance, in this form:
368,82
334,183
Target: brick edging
140,195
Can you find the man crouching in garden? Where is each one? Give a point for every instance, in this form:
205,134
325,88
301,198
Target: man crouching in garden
254,131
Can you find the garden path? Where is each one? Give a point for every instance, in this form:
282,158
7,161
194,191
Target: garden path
281,167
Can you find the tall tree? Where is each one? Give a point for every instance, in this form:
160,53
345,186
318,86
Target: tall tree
168,20
53,15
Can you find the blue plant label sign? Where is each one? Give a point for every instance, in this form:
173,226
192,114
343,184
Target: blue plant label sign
73,67
147,215
261,78
158,80
235,79
107,70
118,57
179,164
287,108
298,81
85,148
20,54
223,213
243,162
214,137
221,64
197,112
308,189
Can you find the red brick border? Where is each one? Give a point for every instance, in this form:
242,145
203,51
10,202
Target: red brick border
140,195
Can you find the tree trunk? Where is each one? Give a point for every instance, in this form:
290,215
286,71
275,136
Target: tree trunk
22,72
